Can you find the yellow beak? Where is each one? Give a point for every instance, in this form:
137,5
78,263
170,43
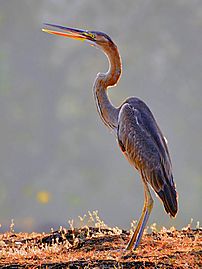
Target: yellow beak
70,32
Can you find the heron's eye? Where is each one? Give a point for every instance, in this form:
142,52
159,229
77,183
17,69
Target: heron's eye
90,35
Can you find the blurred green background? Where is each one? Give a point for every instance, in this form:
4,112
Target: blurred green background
57,159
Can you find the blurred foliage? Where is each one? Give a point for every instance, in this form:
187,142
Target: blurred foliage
51,136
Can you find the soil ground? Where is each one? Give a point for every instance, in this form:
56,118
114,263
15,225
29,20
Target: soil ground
95,247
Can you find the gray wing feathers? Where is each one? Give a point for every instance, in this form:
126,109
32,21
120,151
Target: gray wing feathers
144,146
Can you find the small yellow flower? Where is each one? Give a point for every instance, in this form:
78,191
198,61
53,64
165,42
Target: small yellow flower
43,197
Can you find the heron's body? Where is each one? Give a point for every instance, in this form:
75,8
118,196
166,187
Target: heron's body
146,149
137,132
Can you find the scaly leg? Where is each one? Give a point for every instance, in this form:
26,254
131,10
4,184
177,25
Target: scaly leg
148,204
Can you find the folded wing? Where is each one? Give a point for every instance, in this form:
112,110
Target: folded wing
145,147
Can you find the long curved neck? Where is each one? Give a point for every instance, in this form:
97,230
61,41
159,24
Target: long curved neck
107,112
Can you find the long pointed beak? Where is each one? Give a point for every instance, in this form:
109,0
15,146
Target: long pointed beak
70,32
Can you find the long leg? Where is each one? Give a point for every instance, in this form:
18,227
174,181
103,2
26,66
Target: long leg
148,204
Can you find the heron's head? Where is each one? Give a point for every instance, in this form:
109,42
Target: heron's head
94,38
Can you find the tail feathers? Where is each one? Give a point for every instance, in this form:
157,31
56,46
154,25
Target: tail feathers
168,195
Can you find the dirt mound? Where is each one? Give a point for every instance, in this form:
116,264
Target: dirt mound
90,247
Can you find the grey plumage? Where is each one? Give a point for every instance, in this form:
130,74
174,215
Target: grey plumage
145,147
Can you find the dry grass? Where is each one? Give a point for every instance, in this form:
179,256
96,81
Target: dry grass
101,247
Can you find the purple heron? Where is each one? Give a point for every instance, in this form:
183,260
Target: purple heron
138,135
